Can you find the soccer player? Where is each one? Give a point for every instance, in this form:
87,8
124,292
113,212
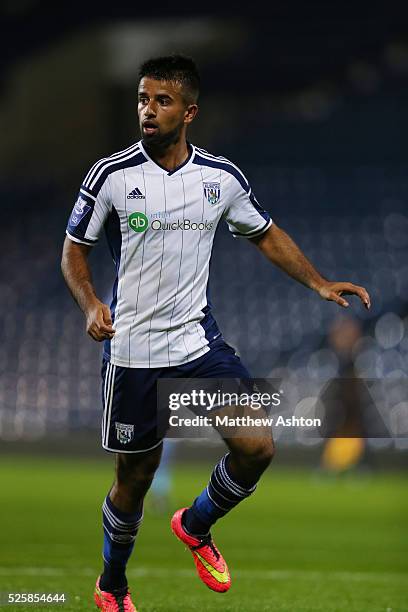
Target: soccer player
160,201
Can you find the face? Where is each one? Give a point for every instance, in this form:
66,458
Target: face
163,112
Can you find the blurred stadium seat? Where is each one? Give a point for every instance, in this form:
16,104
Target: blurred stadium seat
49,368
325,155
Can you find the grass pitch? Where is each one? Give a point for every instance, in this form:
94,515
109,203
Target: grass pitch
300,544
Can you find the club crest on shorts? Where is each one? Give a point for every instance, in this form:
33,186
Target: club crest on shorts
212,192
124,432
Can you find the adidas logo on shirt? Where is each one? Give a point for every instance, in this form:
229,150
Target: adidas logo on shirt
136,194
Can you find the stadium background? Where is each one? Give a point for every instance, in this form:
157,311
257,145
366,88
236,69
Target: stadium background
312,103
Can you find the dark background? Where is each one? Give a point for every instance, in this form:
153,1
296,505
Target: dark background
309,99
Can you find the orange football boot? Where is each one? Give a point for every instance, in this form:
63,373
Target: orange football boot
117,601
210,564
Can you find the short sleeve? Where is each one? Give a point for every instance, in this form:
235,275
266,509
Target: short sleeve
243,213
89,214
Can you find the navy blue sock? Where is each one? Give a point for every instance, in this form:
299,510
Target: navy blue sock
120,529
218,498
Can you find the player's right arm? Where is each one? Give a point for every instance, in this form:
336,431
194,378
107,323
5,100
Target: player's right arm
87,219
77,274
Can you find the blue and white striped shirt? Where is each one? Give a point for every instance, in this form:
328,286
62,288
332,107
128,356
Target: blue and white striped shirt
160,227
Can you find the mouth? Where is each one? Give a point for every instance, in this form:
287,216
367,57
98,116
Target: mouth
150,128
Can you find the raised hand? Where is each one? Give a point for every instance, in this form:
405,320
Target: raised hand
334,291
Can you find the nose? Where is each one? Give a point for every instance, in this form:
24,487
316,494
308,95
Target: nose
150,109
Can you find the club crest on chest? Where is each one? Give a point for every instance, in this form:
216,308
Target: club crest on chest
212,192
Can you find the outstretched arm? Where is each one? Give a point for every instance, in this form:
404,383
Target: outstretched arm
281,250
77,275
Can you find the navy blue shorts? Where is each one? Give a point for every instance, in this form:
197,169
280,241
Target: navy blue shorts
129,396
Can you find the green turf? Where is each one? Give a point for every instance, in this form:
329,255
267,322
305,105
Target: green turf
301,543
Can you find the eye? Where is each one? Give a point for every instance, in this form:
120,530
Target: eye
143,100
164,101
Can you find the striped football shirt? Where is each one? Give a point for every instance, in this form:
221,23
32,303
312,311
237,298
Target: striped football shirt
160,227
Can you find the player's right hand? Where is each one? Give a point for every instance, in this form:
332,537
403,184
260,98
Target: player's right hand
99,322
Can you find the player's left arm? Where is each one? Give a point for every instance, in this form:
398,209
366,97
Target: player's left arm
282,251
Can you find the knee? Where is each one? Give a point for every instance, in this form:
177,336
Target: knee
132,474
257,453
264,453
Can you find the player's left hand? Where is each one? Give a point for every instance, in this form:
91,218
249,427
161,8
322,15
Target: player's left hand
334,291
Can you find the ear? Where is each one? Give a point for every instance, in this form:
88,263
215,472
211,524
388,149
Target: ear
190,112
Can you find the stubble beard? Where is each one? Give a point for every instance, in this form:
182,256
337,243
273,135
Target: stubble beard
159,143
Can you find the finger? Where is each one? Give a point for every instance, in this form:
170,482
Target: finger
95,336
106,336
366,299
362,294
350,289
338,299
107,315
98,334
106,329
101,337
104,325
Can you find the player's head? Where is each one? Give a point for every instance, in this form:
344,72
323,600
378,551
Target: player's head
168,94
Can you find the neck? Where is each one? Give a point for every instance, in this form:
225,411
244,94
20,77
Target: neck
170,156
